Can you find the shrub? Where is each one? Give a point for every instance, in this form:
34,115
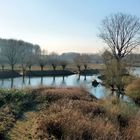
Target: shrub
132,132
73,119
133,90
65,123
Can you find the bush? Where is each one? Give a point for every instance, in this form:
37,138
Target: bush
133,90
13,103
66,123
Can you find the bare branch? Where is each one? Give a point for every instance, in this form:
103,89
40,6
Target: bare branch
121,33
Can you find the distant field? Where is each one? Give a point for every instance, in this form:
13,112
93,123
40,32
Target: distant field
69,67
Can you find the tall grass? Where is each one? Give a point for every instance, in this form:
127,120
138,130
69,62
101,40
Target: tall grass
68,114
133,90
66,122
79,118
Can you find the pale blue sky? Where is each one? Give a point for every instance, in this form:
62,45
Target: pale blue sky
60,25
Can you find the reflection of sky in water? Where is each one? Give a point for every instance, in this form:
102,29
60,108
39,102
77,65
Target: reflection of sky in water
136,71
71,81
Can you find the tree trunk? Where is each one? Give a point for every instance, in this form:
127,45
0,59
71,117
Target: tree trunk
54,67
42,67
85,66
12,67
2,67
63,67
79,68
30,68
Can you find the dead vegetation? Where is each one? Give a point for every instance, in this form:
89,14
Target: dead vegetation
71,114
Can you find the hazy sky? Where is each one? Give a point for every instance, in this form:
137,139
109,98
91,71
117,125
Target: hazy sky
60,25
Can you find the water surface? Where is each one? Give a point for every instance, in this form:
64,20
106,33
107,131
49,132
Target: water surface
67,81
61,81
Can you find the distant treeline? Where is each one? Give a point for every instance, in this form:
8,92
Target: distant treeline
17,52
14,52
24,54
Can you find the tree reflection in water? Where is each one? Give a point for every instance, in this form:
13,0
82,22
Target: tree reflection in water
78,77
41,82
12,82
85,78
63,83
29,82
53,81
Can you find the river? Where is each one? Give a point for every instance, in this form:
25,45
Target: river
67,81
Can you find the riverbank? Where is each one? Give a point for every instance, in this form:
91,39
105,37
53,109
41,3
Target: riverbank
49,73
65,113
38,73
89,72
9,74
133,90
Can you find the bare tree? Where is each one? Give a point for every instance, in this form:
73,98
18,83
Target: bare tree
78,62
11,52
121,33
32,56
24,55
42,59
17,52
2,62
85,59
53,60
31,61
63,64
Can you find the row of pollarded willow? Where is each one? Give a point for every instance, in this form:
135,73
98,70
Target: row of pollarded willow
56,60
25,55
121,33
17,52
